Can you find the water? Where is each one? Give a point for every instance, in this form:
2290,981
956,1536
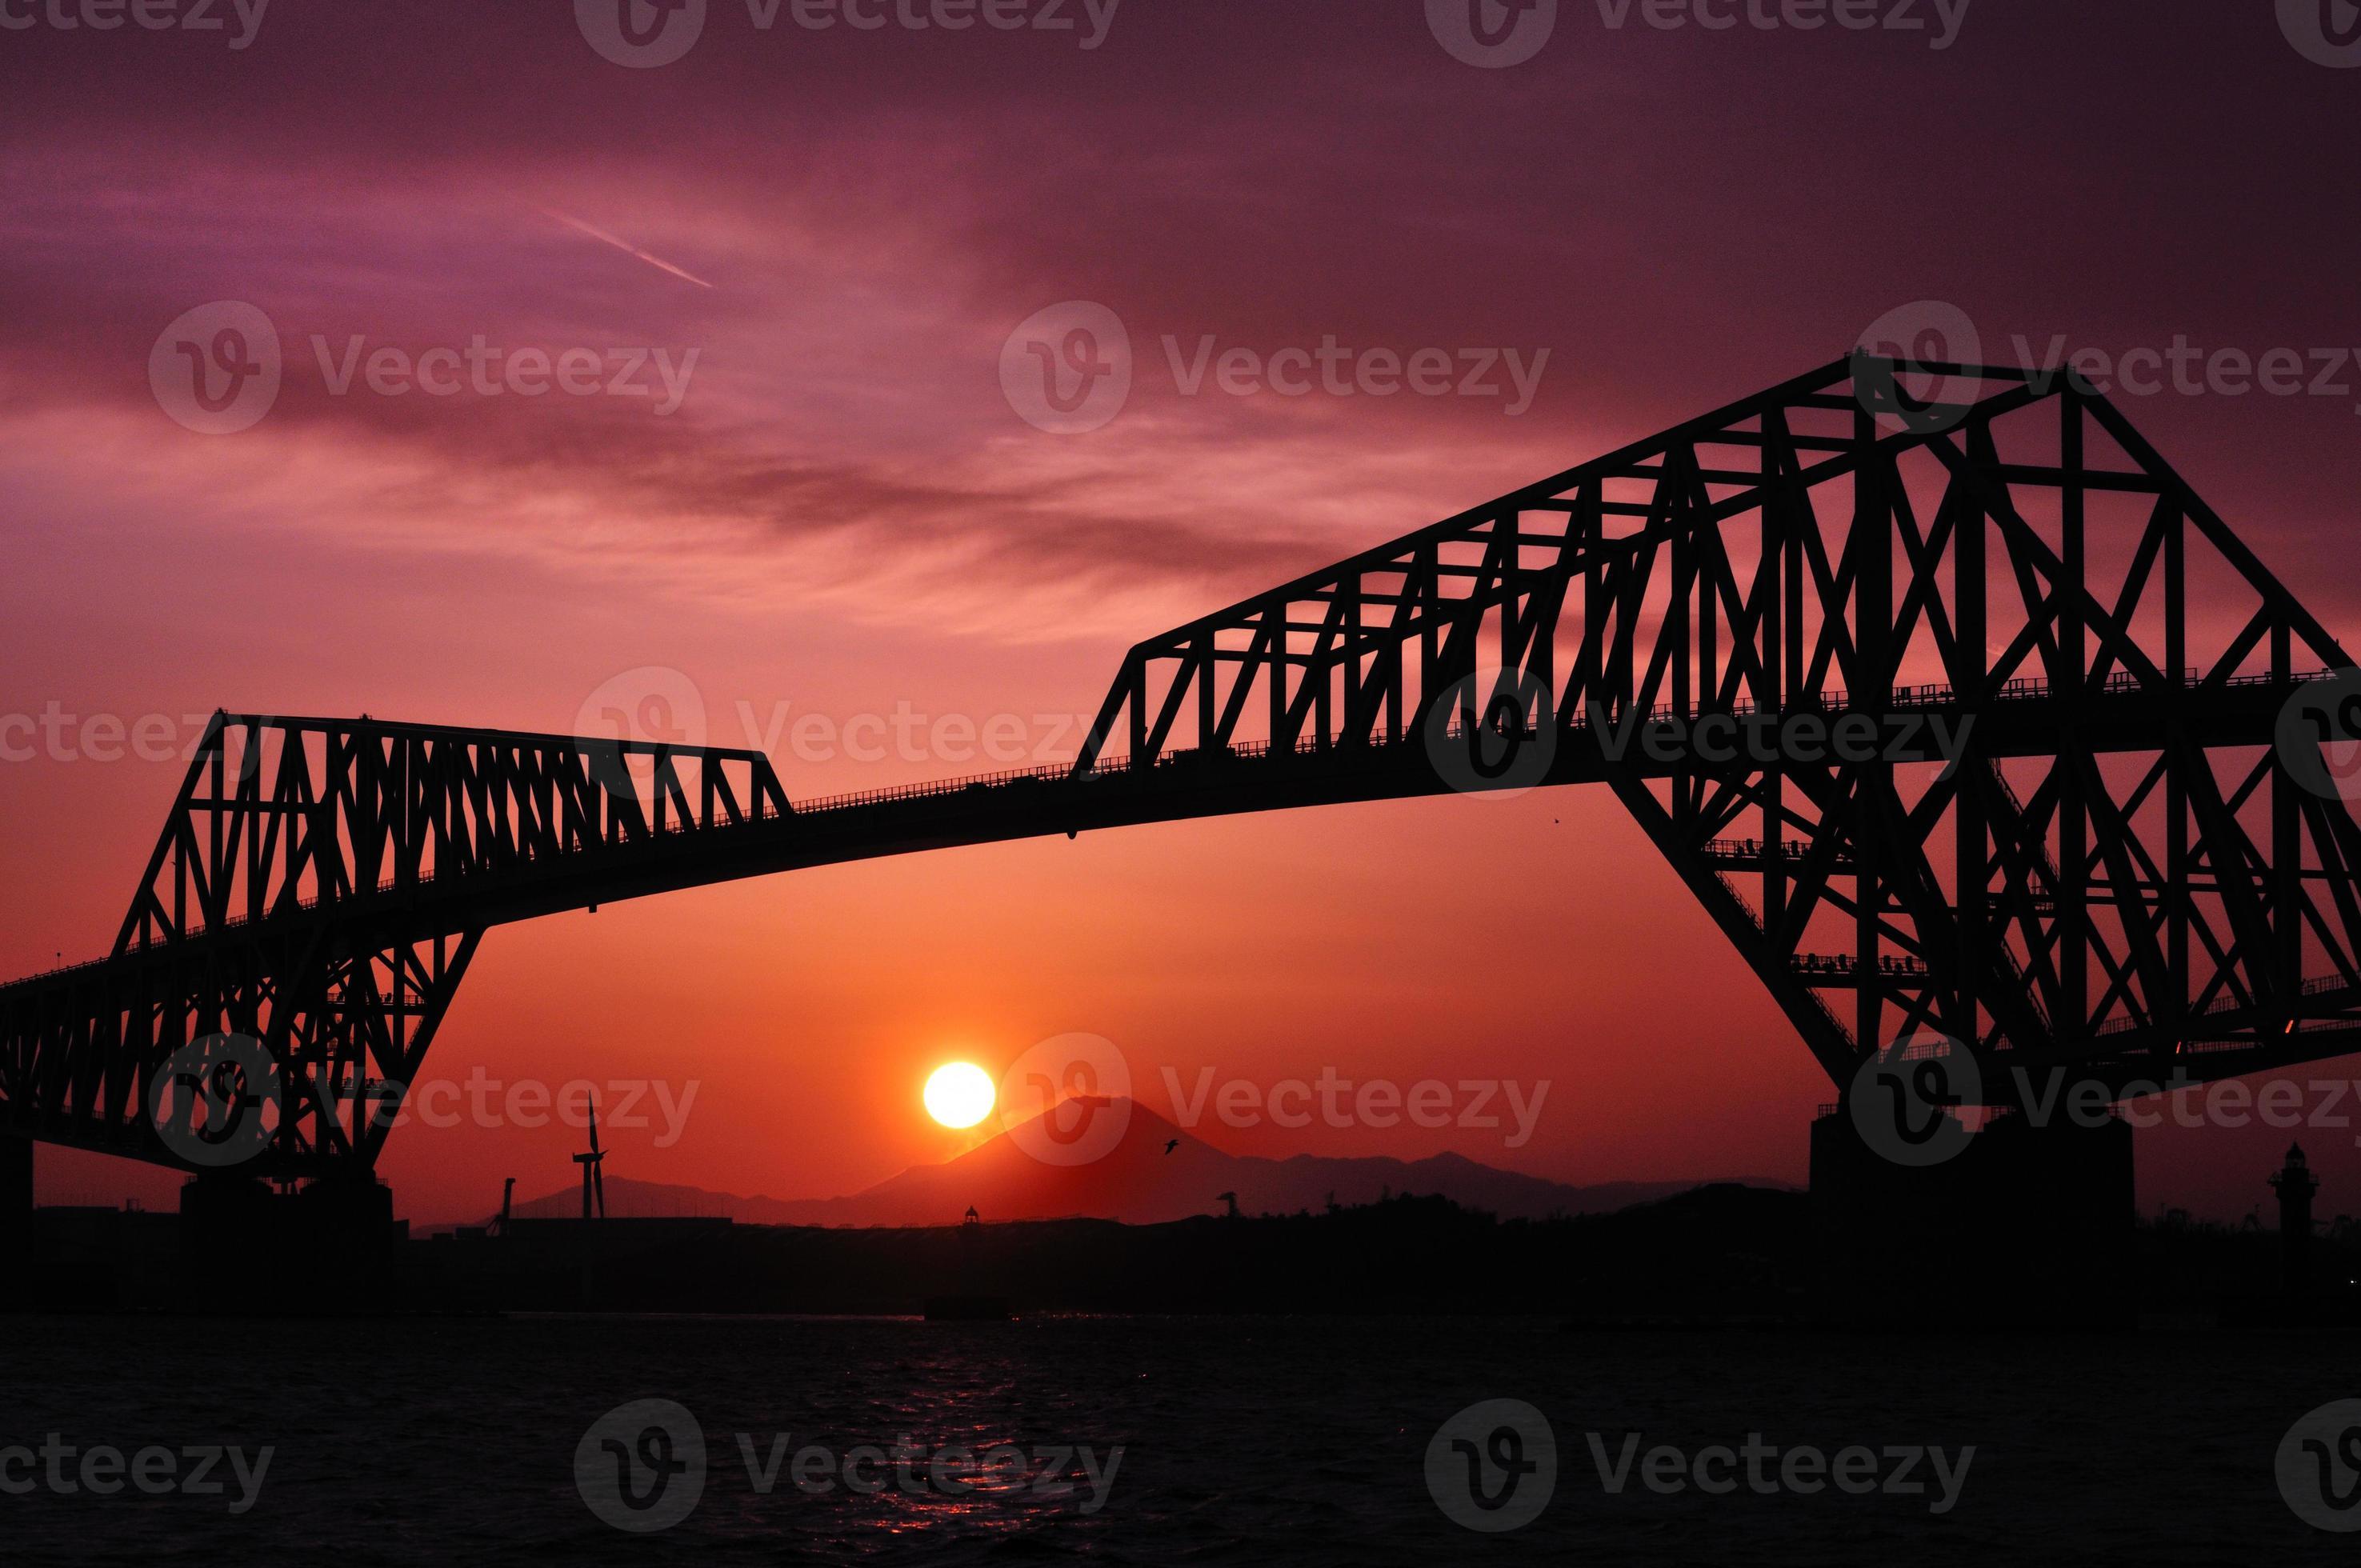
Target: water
1290,1441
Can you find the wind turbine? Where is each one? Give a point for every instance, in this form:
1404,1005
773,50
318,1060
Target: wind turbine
594,1179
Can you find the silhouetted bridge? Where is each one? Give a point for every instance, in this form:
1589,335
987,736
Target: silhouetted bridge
2115,873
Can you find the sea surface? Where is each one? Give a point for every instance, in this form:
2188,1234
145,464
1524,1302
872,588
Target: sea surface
1285,1441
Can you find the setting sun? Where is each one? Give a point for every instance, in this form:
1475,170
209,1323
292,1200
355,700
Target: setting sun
959,1094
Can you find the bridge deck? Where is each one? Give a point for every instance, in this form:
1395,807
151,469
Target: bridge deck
1247,777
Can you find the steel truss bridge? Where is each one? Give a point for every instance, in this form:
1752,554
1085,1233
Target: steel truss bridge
2118,878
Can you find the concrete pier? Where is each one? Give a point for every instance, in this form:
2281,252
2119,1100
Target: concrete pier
16,1184
2026,1226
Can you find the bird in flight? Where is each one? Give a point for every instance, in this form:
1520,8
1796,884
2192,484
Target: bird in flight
1172,1144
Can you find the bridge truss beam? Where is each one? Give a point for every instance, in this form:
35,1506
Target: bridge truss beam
2116,877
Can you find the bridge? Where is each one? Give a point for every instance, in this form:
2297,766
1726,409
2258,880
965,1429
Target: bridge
2113,870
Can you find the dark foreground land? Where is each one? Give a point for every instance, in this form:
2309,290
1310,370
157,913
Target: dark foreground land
1721,1255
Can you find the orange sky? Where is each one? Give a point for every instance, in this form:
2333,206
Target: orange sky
845,515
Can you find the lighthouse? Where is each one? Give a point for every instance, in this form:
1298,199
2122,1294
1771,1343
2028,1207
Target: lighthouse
2295,1184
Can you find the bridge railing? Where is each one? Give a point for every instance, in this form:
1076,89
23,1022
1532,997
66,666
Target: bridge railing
2318,985
1931,695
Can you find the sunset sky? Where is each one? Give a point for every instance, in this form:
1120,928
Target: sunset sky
845,518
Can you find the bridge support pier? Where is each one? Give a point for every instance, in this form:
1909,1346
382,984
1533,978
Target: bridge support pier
326,1249
2025,1226
355,1212
15,1185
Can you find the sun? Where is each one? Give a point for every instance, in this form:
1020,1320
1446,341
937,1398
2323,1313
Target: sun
959,1094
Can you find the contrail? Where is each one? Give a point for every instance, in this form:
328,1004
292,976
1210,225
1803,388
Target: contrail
624,246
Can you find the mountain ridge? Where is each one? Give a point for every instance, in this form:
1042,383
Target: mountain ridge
1135,1181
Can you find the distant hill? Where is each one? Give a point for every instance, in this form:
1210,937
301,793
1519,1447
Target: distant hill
1138,1183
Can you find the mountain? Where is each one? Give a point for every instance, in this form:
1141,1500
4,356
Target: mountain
1136,1182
